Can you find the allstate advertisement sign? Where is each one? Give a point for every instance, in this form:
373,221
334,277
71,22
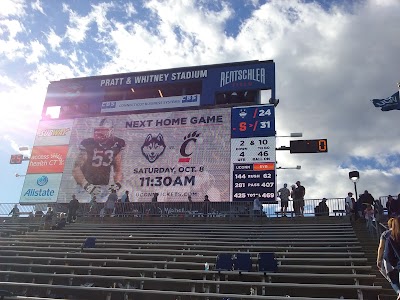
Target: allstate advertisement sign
40,188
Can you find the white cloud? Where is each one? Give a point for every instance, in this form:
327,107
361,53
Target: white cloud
37,5
37,50
130,9
11,49
12,8
77,28
11,27
13,144
79,25
53,40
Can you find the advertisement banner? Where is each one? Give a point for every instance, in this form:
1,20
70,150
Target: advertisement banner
152,103
40,188
54,132
47,159
161,156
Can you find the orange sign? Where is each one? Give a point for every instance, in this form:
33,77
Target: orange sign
264,167
47,159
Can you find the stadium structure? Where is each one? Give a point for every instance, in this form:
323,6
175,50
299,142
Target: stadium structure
192,149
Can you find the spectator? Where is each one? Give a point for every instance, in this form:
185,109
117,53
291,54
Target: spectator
348,204
14,211
367,198
298,201
206,206
119,209
359,209
293,187
110,203
60,223
389,204
155,197
189,206
378,210
125,197
381,248
72,209
48,218
257,207
395,206
388,262
93,207
284,194
369,215
124,205
322,208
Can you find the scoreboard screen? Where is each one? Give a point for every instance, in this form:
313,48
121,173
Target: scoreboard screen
175,154
158,131
16,159
253,153
309,146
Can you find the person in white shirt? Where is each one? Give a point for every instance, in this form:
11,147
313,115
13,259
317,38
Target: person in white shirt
284,194
349,205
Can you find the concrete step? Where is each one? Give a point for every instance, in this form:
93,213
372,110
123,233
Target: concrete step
387,297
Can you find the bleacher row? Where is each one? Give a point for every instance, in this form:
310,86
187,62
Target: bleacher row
316,260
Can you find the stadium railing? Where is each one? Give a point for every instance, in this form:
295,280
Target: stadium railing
184,209
181,210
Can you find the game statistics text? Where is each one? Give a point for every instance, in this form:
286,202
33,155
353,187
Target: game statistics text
253,153
251,180
253,121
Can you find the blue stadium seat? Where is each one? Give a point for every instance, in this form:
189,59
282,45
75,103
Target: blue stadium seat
5,293
267,262
224,262
243,262
90,242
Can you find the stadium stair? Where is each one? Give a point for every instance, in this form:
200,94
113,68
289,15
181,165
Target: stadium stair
318,258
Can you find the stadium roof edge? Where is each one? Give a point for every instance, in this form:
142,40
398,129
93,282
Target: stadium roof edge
170,69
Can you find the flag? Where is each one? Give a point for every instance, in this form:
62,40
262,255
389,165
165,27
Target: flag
389,103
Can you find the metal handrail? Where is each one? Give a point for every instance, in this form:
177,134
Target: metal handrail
270,209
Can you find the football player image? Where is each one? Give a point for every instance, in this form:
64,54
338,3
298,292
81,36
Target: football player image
98,158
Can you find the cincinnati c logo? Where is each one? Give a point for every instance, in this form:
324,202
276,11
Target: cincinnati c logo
188,139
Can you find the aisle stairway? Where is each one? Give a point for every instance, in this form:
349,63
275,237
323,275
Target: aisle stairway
370,244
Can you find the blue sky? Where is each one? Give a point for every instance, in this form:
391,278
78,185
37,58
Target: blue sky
331,58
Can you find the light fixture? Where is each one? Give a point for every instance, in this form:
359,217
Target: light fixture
161,94
133,90
292,134
275,102
19,175
354,176
289,168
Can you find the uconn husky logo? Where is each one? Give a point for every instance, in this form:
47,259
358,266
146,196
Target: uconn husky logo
153,147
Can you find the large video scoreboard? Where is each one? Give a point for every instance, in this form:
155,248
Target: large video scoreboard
169,140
